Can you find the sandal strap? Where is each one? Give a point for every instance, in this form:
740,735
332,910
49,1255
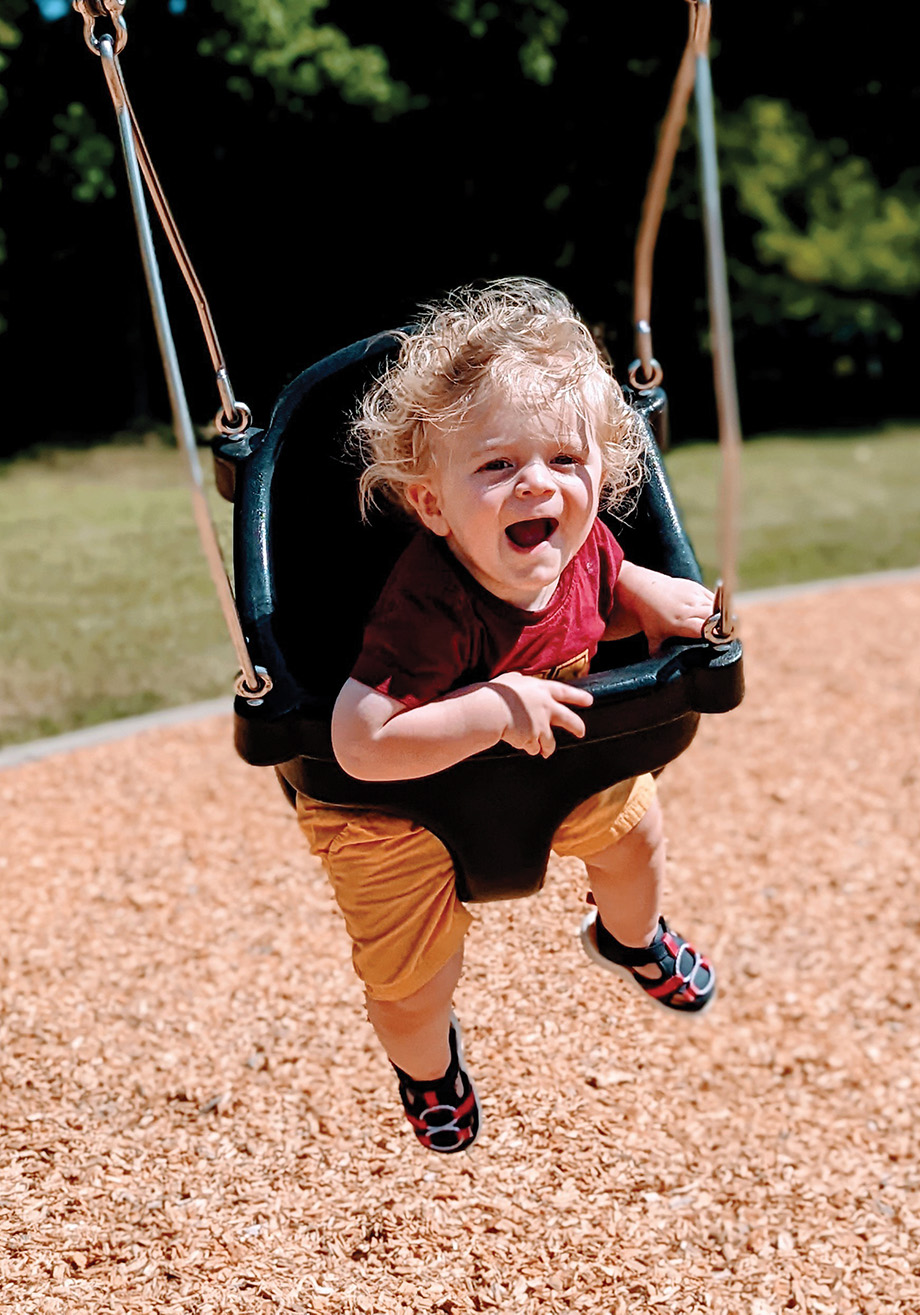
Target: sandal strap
669,954
681,981
443,1113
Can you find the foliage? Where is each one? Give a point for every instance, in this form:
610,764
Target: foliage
88,153
10,38
374,156
287,45
828,239
300,57
540,22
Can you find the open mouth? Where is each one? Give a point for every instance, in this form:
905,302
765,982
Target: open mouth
530,534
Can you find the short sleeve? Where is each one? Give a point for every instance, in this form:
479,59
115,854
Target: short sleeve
610,559
418,640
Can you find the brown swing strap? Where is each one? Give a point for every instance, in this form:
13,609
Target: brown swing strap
234,417
646,373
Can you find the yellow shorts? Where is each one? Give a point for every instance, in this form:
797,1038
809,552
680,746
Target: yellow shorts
394,881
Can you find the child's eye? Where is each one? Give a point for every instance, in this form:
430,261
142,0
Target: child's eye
565,459
497,463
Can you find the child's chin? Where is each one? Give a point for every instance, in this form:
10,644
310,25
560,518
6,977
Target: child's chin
542,574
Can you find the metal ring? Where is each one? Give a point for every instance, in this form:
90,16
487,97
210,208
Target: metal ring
228,428
645,385
713,632
90,10
257,694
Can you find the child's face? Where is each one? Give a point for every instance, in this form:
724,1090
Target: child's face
514,494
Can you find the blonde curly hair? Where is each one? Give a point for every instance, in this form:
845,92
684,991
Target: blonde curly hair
519,337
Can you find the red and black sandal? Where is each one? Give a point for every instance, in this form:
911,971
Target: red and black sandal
444,1114
687,981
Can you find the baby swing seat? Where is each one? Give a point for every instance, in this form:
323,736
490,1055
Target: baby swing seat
307,573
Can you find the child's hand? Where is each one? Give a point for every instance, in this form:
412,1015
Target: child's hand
663,605
535,706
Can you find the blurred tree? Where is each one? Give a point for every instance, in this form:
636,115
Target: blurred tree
832,246
86,154
539,22
10,38
299,56
332,164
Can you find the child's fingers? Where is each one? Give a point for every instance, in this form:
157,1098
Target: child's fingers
562,692
697,599
562,718
536,706
567,720
547,744
542,743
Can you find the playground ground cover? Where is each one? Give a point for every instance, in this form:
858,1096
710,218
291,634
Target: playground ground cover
108,609
194,1117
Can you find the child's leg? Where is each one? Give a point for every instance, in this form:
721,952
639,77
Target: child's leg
627,933
394,882
414,1031
626,880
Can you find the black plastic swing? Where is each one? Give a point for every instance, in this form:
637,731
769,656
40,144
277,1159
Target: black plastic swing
307,572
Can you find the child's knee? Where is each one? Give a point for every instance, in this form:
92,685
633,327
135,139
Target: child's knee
641,849
435,992
648,833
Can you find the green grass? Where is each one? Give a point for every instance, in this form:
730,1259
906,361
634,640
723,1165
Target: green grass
107,605
108,609
813,508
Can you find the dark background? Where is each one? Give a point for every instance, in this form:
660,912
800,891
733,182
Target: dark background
312,227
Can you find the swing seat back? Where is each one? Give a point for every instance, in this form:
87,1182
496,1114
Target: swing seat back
307,572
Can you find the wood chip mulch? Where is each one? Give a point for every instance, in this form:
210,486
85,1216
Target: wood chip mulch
194,1116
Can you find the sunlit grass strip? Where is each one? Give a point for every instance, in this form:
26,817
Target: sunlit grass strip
813,507
107,605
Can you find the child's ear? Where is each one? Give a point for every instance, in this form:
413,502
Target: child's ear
424,502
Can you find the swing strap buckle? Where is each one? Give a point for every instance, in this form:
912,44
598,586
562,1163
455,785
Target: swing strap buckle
113,10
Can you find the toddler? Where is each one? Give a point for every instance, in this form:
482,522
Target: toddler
499,429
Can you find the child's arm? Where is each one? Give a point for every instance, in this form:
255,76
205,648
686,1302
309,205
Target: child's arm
659,605
376,738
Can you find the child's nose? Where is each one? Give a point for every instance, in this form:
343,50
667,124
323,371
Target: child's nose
534,478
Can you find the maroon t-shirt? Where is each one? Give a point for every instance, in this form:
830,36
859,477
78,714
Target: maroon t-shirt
435,629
